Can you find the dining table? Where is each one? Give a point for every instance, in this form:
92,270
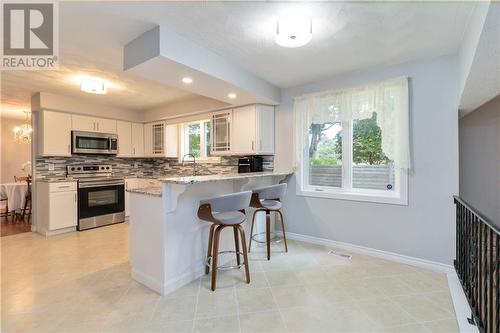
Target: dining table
15,193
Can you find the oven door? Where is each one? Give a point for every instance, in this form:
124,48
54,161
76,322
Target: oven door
98,199
93,143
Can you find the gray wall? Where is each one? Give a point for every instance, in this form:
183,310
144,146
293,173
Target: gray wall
480,159
424,228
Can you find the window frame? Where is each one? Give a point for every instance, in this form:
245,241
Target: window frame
184,139
346,192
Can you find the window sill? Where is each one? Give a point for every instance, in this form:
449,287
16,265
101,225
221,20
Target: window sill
369,196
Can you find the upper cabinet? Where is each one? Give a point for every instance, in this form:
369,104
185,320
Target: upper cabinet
160,140
54,133
221,132
244,130
92,124
137,140
130,139
124,132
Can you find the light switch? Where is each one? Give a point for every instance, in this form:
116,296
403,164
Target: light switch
51,166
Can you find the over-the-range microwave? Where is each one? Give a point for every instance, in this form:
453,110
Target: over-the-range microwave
93,143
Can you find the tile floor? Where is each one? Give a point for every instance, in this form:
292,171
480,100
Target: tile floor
80,282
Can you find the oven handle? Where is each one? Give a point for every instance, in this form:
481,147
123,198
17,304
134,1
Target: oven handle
89,184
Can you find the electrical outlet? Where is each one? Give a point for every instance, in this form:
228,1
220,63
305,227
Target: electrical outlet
136,165
51,166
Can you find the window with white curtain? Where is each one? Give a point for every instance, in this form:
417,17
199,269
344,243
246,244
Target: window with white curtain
354,143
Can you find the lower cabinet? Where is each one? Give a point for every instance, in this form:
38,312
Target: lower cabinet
56,208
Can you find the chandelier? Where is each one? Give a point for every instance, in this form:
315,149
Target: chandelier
23,132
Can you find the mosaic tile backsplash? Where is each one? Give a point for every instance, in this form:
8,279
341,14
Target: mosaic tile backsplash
142,167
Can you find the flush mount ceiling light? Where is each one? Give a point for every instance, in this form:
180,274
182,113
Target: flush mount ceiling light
93,86
231,95
187,80
294,31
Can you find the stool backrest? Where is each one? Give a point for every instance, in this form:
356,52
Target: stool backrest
271,192
229,202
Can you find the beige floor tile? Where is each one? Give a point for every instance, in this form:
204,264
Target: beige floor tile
257,280
410,328
262,322
385,313
291,296
217,303
443,326
175,309
282,278
421,308
253,300
43,291
218,325
183,326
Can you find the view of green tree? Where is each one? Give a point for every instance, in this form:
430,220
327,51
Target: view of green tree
194,139
367,144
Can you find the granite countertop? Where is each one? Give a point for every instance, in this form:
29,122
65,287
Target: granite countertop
223,177
154,191
55,179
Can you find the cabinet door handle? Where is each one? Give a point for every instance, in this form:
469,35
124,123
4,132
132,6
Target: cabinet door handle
97,126
75,197
134,150
69,148
252,146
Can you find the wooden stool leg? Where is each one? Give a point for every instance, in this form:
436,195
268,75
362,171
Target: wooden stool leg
283,229
244,250
268,234
210,243
237,244
215,255
251,231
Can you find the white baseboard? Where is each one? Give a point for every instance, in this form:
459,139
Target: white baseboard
148,281
462,308
170,285
413,261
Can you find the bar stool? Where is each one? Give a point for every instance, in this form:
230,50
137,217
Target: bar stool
268,199
225,211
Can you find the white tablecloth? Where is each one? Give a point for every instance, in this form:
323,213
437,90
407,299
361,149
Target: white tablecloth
15,193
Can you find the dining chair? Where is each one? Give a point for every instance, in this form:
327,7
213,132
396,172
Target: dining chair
4,211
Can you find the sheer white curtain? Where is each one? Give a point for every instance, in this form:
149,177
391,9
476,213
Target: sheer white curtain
389,99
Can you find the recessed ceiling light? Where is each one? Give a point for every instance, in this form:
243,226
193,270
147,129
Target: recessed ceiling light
93,86
294,31
231,95
187,80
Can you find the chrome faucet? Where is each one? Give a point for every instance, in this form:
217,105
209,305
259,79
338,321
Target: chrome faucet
194,162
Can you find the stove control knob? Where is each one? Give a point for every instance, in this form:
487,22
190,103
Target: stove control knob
79,168
107,168
73,169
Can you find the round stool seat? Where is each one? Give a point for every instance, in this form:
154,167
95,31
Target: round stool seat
230,218
271,204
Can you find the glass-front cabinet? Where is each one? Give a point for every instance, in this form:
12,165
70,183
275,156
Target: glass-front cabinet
221,138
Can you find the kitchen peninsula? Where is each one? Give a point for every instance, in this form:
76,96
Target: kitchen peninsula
167,240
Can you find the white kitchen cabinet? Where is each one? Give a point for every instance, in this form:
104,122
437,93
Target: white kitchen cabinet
137,140
243,138
54,134
221,132
264,131
160,140
248,130
57,207
93,124
124,132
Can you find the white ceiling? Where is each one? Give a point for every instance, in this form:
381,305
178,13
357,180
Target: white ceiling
347,37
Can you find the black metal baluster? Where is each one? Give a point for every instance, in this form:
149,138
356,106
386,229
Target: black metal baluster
491,283
480,267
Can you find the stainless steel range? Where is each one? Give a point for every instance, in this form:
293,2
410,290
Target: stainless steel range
101,196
